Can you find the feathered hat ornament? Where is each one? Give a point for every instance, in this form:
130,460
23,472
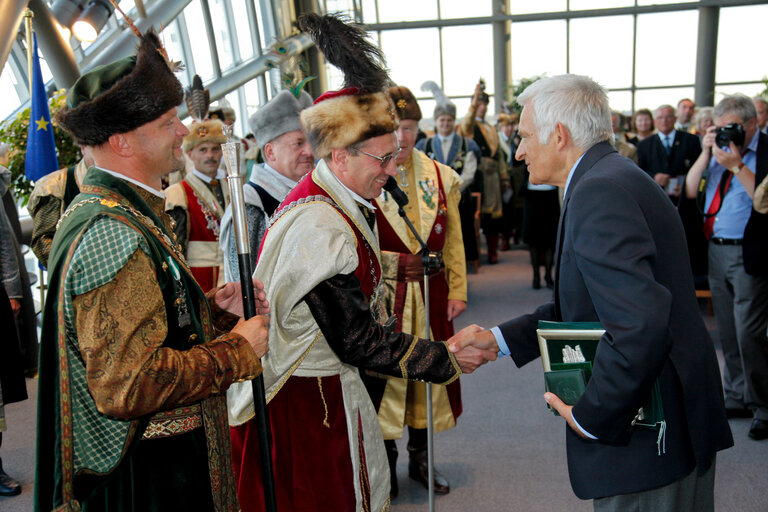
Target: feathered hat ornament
201,129
362,109
444,106
198,99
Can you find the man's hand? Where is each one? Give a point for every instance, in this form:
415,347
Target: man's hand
230,299
473,335
566,411
661,178
708,141
455,308
726,159
15,306
256,331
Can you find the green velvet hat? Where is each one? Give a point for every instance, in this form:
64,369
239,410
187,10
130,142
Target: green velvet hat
121,96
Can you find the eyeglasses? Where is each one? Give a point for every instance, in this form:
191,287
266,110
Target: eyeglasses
383,160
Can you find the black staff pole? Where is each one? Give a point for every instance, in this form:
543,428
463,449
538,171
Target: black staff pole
232,152
430,261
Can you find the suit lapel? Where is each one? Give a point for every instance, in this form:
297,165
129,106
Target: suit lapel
591,157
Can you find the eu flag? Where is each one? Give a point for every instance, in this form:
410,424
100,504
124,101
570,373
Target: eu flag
41,146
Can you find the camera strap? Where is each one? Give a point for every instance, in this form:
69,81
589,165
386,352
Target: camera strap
722,188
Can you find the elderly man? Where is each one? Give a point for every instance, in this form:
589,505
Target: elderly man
321,265
433,192
618,263
723,181
668,154
135,359
287,158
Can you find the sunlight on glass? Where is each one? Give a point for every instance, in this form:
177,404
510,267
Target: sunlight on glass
538,48
407,10
580,5
8,92
721,91
740,28
654,98
221,33
406,67
201,54
620,101
611,38
666,48
462,9
528,7
464,63
242,29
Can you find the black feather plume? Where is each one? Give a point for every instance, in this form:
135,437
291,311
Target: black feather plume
345,45
198,99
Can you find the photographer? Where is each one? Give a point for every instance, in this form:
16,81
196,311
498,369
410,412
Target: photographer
723,181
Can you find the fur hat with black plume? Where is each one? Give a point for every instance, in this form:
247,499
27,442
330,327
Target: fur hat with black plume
444,106
362,109
201,129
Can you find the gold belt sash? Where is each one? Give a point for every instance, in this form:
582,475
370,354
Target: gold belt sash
174,422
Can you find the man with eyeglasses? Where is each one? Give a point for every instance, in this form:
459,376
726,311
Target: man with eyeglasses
668,154
321,266
433,191
723,181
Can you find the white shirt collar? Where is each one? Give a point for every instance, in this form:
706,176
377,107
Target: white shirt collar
570,174
357,197
207,179
284,179
671,136
149,189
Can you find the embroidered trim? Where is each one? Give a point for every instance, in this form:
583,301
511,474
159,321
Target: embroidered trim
325,405
290,371
175,422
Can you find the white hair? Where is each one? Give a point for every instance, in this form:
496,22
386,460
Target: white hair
658,110
577,102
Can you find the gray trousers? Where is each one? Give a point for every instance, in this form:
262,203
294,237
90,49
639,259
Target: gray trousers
741,310
693,493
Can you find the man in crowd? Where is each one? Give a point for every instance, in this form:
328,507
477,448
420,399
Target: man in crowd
196,203
623,147
686,108
668,154
320,264
723,180
492,167
761,107
433,208
135,358
619,264
460,154
287,157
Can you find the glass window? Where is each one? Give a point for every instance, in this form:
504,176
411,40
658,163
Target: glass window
621,101
198,42
463,9
538,48
611,38
406,66
740,28
654,98
221,33
172,40
242,29
427,106
528,7
666,48
580,5
463,63
663,2
750,90
10,98
407,10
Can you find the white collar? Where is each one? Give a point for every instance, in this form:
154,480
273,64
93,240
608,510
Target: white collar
207,179
281,177
357,197
116,174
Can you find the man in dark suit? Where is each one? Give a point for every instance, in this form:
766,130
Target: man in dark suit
668,154
738,252
618,262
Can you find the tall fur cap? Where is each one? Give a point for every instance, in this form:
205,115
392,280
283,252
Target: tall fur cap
278,116
405,103
121,96
340,121
210,130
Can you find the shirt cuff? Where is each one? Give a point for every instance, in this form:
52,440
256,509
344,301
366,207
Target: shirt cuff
500,341
582,430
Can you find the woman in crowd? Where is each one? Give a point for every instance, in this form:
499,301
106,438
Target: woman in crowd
642,125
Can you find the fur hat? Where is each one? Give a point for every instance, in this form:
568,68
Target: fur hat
210,130
121,96
444,106
223,111
362,109
278,116
503,119
405,102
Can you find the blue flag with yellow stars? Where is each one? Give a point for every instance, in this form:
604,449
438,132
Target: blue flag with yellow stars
41,146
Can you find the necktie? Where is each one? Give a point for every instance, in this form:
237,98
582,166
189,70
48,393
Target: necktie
717,199
370,217
667,143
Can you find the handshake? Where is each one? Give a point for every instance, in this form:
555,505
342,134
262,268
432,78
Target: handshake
473,346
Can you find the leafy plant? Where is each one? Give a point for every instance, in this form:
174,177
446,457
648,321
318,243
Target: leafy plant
516,89
14,132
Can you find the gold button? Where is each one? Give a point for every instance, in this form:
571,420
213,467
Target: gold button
179,301
192,337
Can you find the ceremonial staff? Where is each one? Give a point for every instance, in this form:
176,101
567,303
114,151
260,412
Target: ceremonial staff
232,151
430,260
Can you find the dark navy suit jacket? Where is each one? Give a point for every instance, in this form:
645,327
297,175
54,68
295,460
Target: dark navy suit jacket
652,157
622,260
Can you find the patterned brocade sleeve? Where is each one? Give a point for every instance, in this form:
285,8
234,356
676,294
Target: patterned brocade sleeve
129,372
339,307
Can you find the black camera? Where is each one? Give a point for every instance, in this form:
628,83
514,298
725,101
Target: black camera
732,132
